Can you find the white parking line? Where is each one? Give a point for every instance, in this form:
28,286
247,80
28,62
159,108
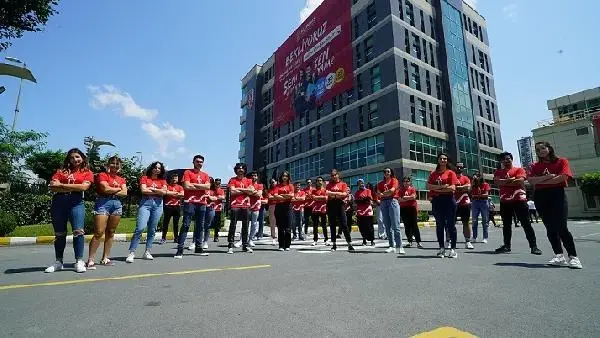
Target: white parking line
588,235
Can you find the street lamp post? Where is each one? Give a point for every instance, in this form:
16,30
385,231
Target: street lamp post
15,60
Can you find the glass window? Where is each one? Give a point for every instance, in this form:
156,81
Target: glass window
410,15
416,46
425,148
375,79
371,16
369,49
308,167
360,153
415,77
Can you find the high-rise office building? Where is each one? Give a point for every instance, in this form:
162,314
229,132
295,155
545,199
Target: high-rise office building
526,151
366,84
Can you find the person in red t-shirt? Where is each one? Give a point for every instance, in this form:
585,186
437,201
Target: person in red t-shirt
363,198
195,183
172,208
241,189
298,203
107,210
153,187
550,177
264,208
463,202
442,185
377,204
212,196
69,184
513,200
387,191
272,203
255,206
337,191
218,206
480,192
319,210
308,206
407,197
283,195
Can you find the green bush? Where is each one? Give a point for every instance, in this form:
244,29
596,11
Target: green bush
8,223
590,183
27,208
88,225
423,216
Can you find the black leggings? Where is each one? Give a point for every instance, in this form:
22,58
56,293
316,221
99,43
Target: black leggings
521,210
175,213
307,217
322,219
365,225
411,227
283,218
236,215
217,223
552,204
337,217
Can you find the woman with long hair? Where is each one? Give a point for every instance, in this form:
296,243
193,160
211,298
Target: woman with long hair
108,209
283,194
264,208
480,192
69,184
255,205
337,191
363,198
387,191
442,185
407,197
272,203
212,196
549,177
319,210
153,186
172,208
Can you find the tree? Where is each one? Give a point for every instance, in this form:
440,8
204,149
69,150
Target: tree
16,146
19,16
44,163
590,183
92,147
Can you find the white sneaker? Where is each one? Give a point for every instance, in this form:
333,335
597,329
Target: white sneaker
401,251
484,241
441,253
448,245
452,254
147,255
54,267
574,263
314,244
249,250
192,246
287,249
558,260
327,243
238,244
280,249
130,258
80,266
274,242
468,245
205,245
178,256
230,251
251,244
390,250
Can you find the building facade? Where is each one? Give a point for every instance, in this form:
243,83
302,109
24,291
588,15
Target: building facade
423,85
574,132
527,154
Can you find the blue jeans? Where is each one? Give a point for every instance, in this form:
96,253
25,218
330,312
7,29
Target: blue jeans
261,221
444,211
390,210
108,206
148,215
380,226
298,219
253,224
198,212
208,217
68,207
480,207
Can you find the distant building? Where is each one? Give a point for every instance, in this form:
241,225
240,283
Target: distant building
526,151
574,132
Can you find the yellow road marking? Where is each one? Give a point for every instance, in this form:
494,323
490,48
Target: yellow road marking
146,275
444,332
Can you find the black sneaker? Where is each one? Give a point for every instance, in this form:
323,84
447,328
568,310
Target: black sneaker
334,248
216,239
419,245
351,248
245,248
338,236
198,249
503,249
179,254
364,242
536,251
372,243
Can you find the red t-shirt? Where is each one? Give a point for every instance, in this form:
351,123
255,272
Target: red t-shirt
386,185
195,177
512,193
255,200
363,200
336,187
308,202
446,177
173,200
113,181
218,204
319,207
405,192
479,190
272,192
159,183
284,189
77,177
241,201
299,205
462,198
558,167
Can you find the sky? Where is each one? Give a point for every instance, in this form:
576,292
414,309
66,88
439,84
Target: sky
164,80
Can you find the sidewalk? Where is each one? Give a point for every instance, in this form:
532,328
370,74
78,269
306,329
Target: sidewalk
14,241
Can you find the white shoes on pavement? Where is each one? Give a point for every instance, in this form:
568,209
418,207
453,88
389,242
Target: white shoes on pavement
58,265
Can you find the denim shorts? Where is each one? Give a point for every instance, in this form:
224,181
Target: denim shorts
108,206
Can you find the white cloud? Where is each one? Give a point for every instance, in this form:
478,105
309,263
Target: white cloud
164,135
510,11
181,150
108,96
309,7
472,3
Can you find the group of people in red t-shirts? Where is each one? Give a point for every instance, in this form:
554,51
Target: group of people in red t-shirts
451,194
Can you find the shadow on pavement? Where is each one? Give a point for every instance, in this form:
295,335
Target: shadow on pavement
526,265
25,270
481,252
418,256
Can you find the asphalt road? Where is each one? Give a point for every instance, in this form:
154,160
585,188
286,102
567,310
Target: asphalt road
308,292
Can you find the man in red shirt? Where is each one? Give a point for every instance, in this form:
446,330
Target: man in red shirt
337,191
463,202
218,205
298,203
513,200
255,206
172,208
308,206
195,183
241,189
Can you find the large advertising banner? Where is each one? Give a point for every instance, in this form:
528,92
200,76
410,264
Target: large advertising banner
315,63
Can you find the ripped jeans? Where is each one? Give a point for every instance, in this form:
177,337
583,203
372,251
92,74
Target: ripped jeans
68,207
